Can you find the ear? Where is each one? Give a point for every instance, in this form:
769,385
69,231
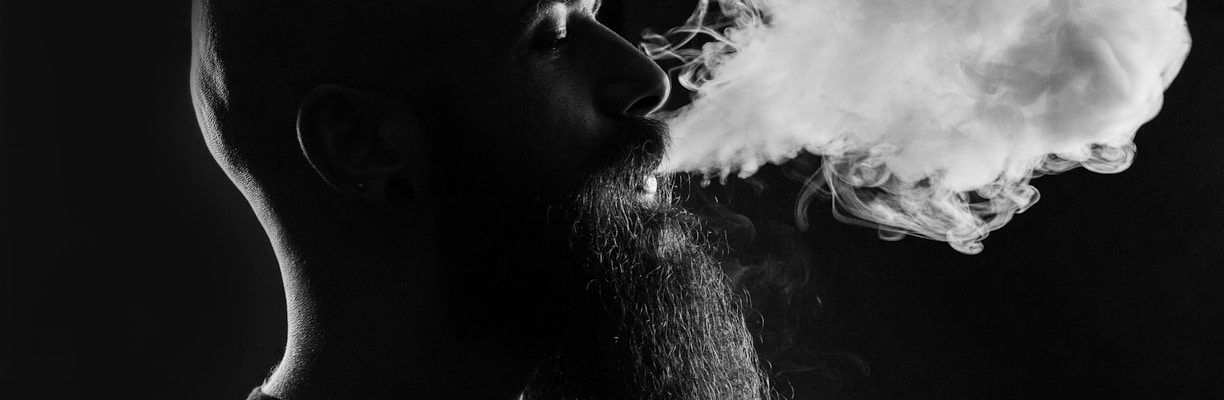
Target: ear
358,142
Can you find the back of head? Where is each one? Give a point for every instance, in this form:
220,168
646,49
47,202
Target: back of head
255,61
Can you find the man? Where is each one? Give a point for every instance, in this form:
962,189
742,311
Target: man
460,195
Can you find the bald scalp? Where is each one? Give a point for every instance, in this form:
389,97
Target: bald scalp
255,61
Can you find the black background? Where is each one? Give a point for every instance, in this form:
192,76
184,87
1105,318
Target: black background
130,267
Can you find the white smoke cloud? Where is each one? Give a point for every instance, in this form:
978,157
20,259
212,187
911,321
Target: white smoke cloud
931,116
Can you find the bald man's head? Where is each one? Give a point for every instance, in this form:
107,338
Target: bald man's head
500,149
496,81
256,61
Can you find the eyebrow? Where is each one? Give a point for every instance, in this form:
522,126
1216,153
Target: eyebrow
535,6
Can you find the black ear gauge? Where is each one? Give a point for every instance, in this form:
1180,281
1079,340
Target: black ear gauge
399,193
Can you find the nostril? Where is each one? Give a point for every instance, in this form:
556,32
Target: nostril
644,106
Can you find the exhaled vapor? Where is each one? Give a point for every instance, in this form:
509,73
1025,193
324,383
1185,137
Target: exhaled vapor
931,116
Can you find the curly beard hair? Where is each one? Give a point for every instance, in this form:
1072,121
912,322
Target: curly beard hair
655,317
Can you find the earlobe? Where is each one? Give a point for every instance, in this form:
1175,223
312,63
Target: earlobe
352,140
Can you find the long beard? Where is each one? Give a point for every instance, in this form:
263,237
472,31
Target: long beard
653,316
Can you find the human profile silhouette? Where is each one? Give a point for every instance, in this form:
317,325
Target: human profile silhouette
462,199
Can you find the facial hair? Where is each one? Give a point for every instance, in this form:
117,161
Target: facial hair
653,315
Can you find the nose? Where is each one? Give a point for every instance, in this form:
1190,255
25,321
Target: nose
631,84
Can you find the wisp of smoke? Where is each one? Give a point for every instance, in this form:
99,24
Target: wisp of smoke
931,116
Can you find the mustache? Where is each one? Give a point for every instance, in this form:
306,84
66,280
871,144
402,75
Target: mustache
639,146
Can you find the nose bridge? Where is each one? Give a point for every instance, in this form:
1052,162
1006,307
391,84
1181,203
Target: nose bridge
628,83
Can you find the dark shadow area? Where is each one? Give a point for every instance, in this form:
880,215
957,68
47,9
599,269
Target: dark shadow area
131,266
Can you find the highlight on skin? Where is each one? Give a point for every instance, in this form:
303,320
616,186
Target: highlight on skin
931,116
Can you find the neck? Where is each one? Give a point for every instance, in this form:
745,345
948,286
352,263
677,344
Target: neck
367,318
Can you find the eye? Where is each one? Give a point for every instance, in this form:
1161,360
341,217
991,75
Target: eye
551,39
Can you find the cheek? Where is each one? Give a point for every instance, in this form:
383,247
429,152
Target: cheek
565,128
545,119
529,126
